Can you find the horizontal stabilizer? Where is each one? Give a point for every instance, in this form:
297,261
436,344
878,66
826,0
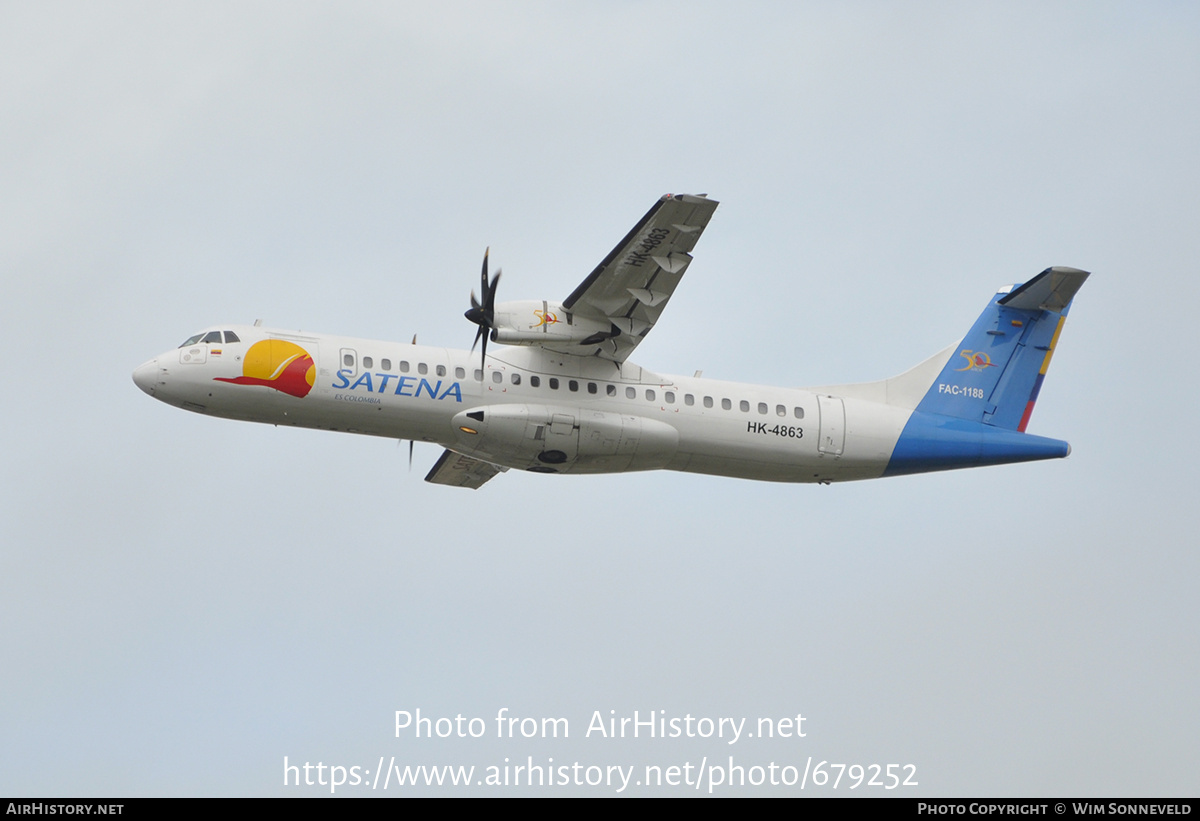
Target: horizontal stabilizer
1051,290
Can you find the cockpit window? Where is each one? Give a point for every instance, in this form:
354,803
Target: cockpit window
211,337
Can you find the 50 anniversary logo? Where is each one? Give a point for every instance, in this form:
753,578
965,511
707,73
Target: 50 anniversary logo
976,361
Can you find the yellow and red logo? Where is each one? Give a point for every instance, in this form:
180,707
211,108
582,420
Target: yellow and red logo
545,318
976,361
278,364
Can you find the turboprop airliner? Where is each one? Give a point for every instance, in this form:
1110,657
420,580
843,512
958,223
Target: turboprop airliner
561,396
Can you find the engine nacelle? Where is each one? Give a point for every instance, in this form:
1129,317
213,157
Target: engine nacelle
551,439
533,322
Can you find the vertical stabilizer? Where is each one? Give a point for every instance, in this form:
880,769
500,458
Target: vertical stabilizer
976,410
995,375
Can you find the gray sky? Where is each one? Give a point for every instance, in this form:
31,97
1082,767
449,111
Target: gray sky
186,600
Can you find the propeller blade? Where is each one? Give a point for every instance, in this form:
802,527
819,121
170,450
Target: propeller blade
483,310
483,280
491,296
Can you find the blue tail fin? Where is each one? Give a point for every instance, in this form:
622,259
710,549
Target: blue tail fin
976,410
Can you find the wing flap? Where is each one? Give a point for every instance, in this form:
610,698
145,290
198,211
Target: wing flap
458,470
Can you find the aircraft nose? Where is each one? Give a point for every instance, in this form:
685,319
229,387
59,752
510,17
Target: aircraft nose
144,375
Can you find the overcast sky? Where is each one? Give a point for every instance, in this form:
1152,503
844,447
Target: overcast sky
186,601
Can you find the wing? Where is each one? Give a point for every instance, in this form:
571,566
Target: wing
462,471
630,288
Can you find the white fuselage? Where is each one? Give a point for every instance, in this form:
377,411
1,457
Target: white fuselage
533,409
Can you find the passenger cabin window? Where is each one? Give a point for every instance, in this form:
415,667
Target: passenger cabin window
649,395
670,397
762,407
631,393
386,364
592,387
478,375
535,381
689,400
799,413
726,404
497,377
573,385
780,410
422,368
348,360
441,370
744,406
459,373
368,362
708,402
553,383
516,379
611,390
403,366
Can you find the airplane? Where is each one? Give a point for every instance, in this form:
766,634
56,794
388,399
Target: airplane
563,397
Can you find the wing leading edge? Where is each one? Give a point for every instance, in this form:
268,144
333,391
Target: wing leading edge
632,285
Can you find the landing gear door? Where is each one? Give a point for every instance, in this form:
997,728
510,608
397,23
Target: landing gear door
833,425
562,435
